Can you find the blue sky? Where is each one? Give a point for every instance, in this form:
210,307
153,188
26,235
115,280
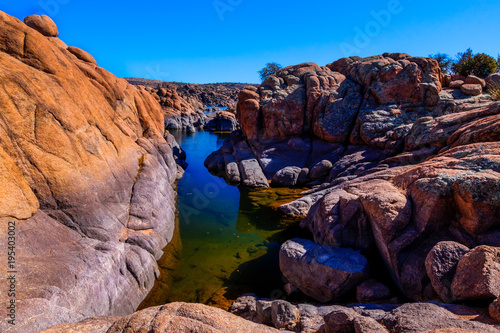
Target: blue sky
204,41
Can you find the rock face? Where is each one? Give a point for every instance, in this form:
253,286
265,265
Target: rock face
321,272
82,55
179,113
412,165
86,177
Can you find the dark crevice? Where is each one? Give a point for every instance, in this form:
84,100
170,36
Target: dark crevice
25,44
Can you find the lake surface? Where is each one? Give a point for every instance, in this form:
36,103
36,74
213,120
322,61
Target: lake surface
227,240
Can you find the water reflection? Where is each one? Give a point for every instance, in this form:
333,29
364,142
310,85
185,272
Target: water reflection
230,238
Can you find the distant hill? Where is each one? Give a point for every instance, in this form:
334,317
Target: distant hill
210,94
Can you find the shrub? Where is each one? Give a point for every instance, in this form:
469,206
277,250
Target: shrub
494,90
444,61
271,68
480,64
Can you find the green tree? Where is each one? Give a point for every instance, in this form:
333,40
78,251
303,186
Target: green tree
463,62
271,68
479,64
444,61
498,63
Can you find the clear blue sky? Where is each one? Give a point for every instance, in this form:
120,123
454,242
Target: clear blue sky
205,41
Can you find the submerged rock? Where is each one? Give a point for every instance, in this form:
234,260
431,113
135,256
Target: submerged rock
322,272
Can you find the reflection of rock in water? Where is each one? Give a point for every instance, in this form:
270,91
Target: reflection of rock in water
259,213
221,138
168,265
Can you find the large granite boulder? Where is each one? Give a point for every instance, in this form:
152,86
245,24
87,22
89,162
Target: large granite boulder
43,24
86,177
478,275
441,265
322,272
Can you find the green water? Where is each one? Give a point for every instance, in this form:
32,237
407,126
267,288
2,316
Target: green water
228,240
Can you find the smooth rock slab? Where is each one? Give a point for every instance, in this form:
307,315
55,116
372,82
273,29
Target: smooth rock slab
183,317
322,272
91,325
251,174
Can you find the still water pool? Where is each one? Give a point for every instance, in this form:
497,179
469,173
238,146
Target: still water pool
227,240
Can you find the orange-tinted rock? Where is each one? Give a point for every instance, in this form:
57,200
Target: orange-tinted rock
43,24
183,317
456,84
82,55
471,89
472,79
396,79
478,275
86,175
494,309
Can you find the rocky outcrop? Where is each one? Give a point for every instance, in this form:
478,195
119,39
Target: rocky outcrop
211,94
410,165
365,318
179,113
222,122
86,179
